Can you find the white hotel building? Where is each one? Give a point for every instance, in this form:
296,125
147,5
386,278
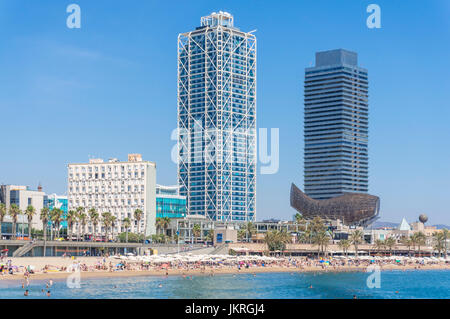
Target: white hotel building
116,187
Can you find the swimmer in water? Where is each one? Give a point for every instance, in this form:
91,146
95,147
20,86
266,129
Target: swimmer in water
160,286
310,286
48,293
25,293
354,297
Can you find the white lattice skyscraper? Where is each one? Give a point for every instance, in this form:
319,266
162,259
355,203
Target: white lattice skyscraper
217,119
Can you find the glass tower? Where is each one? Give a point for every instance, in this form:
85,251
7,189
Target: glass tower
217,120
336,125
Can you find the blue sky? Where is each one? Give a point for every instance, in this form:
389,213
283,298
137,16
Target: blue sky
109,89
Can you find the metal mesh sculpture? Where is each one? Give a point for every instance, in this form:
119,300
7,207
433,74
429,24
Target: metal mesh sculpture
350,208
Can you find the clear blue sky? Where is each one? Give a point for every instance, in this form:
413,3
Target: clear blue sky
109,89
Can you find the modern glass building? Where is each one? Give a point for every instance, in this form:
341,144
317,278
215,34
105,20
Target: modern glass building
336,126
217,119
169,203
56,201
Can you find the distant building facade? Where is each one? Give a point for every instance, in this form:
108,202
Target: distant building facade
169,202
116,187
22,196
58,201
336,126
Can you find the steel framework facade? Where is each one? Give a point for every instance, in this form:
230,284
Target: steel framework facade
350,208
217,120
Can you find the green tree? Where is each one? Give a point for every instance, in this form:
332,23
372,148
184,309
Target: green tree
107,222
356,237
196,231
30,211
113,225
71,219
14,212
379,245
137,217
82,221
126,223
3,213
94,217
408,243
162,223
445,233
276,240
56,216
390,243
438,241
321,239
419,239
210,236
80,211
241,235
344,244
249,230
44,216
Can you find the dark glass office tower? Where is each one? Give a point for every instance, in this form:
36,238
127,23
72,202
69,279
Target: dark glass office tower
336,125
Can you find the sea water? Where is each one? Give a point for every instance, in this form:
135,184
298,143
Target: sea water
393,284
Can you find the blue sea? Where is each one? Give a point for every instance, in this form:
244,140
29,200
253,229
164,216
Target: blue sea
393,284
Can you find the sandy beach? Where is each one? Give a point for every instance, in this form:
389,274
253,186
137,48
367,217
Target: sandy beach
56,268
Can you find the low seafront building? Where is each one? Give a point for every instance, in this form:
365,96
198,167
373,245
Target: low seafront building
58,201
22,196
169,202
116,187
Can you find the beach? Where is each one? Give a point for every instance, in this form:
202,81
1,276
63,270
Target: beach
59,268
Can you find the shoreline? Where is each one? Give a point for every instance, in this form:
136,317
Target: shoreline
59,276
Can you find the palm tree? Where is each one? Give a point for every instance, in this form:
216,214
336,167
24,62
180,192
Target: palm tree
445,233
379,244
408,243
79,211
321,239
162,223
106,221
82,220
241,235
94,216
56,215
438,239
137,217
71,219
276,240
14,212
126,223
30,211
113,225
249,230
356,237
166,223
390,243
344,244
44,216
300,221
3,213
196,231
210,236
420,239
